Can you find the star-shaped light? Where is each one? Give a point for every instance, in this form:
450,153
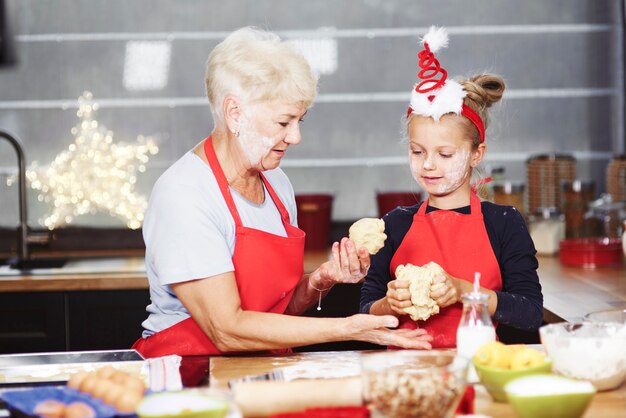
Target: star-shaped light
94,174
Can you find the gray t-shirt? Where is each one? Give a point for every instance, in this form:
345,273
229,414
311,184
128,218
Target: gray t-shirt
190,233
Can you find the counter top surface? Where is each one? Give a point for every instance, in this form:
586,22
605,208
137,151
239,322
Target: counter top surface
569,292
609,404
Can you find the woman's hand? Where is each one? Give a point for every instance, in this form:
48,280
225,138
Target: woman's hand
398,296
445,290
376,329
346,265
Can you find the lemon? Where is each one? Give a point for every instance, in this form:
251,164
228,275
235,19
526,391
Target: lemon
494,354
526,358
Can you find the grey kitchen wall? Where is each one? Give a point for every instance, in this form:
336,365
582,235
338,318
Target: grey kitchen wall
562,60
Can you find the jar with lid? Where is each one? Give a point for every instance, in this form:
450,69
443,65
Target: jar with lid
576,196
510,194
475,328
609,214
547,229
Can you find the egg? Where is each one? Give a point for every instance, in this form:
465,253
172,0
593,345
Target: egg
127,402
50,409
89,383
135,384
79,410
119,377
76,379
101,388
106,372
113,393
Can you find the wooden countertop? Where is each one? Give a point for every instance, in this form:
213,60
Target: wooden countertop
609,404
569,292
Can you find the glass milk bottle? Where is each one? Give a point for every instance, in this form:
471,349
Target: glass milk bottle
475,327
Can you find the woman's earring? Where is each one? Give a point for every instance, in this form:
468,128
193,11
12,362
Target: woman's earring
236,133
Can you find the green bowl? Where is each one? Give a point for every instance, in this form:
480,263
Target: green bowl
549,396
182,405
494,379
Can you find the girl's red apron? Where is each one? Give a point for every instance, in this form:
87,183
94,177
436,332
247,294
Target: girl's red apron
267,269
460,245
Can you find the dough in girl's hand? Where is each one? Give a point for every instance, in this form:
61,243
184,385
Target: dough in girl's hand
421,279
368,233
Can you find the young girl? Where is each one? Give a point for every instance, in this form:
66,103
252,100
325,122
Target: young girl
446,124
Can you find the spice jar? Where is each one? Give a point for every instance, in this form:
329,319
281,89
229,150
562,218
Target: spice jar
547,229
576,195
544,176
509,194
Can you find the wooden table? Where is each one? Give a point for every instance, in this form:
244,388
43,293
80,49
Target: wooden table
571,292
611,404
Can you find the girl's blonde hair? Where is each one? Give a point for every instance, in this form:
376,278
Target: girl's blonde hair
483,90
255,66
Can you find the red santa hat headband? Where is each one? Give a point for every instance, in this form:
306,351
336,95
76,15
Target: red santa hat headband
435,95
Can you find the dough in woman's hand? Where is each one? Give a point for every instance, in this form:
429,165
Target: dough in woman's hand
420,278
368,233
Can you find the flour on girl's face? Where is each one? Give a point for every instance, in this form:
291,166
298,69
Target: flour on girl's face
453,171
254,145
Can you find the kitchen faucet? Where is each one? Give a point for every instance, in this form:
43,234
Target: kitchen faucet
23,260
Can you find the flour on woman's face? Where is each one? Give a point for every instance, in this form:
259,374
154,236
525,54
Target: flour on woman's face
254,145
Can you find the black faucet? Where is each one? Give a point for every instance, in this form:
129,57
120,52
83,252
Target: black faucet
25,237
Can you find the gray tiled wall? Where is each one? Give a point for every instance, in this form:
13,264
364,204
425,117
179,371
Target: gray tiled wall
562,60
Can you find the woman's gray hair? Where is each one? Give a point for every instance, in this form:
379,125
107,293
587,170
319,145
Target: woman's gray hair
255,66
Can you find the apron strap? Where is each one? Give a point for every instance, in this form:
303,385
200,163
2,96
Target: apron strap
225,188
475,208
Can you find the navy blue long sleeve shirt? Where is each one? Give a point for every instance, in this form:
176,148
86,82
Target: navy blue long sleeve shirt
520,302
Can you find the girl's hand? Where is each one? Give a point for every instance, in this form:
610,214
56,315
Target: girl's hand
398,296
445,290
346,265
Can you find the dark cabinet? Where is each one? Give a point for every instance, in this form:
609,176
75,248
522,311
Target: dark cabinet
31,322
77,320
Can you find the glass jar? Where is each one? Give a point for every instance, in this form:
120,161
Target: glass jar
509,194
475,328
547,229
577,194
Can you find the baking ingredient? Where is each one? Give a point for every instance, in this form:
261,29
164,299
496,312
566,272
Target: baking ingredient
135,384
127,402
106,372
514,357
546,385
469,339
405,392
120,389
114,392
56,409
101,388
368,233
50,409
526,358
76,379
421,280
592,351
89,383
79,410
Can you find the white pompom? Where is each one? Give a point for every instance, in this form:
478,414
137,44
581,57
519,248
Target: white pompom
436,38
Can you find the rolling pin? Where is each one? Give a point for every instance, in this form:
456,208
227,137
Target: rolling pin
264,398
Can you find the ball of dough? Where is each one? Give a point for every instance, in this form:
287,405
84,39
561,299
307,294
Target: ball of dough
420,278
368,233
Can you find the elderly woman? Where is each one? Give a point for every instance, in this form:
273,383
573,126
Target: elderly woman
224,255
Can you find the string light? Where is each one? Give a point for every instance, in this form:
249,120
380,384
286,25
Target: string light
95,174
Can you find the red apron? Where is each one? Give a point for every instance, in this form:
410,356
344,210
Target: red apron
267,269
460,245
